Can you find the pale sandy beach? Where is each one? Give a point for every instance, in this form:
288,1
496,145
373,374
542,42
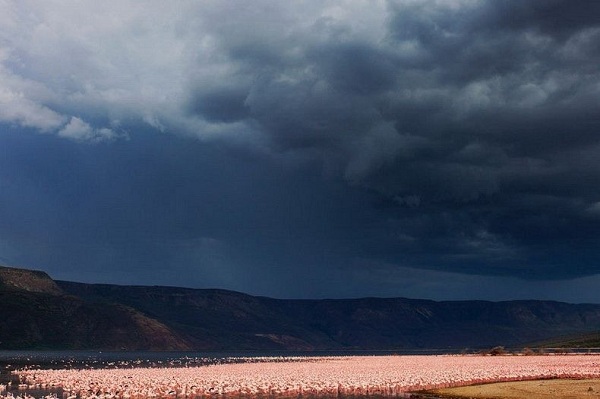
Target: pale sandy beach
539,389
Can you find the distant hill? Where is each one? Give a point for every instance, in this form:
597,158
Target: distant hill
28,280
580,341
99,316
36,314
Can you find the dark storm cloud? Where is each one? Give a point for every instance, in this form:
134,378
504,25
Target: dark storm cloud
556,18
221,106
402,140
482,113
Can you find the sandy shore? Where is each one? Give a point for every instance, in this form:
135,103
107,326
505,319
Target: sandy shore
544,389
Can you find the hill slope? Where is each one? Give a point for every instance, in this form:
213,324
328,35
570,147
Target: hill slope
580,341
218,319
28,280
37,312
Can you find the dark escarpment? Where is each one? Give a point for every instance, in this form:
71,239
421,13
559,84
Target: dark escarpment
37,312
219,319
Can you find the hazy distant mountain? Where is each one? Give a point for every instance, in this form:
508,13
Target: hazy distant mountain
60,314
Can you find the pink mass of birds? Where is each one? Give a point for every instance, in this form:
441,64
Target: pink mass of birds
308,376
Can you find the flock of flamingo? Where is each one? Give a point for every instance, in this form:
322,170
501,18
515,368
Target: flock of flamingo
304,376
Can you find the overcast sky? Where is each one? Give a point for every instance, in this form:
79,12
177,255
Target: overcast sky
305,149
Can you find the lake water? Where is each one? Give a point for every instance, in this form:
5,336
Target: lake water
13,360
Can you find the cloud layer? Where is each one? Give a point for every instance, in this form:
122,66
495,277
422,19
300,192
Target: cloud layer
469,129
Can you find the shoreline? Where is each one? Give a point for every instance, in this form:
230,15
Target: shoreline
556,388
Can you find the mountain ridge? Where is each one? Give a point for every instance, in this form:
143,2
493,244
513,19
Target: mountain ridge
28,280
105,316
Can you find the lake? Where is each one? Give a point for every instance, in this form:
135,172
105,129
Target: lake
349,373
92,359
